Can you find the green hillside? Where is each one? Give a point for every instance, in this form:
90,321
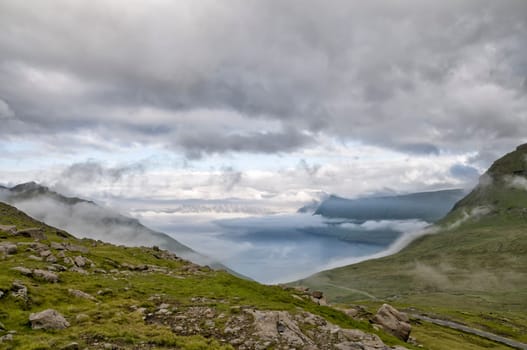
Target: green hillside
115,297
473,268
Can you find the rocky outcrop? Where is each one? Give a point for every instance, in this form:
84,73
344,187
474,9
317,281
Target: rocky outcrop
48,319
393,321
248,328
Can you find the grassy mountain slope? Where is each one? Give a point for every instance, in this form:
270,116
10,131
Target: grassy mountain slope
473,269
146,298
86,219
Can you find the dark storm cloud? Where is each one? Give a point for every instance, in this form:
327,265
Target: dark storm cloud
416,76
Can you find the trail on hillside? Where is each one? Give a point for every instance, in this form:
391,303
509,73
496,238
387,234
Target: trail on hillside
478,332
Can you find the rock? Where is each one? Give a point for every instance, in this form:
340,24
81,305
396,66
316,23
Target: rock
11,229
51,259
45,253
57,246
5,338
23,270
33,232
71,346
19,290
78,270
76,248
317,294
47,276
33,257
2,327
59,267
79,261
61,255
48,319
81,294
9,248
393,321
274,325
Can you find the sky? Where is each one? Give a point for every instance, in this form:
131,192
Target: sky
258,106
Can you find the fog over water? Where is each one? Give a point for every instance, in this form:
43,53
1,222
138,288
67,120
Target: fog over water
285,247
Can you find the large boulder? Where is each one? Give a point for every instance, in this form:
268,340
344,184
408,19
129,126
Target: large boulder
48,319
393,321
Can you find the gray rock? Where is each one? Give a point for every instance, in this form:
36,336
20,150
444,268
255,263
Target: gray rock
78,270
77,248
9,248
19,290
48,319
47,276
6,338
81,294
393,321
34,257
51,259
23,270
33,232
80,261
71,346
57,246
11,229
45,253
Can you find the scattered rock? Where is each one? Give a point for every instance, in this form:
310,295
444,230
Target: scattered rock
393,321
59,267
57,246
81,294
33,232
317,294
71,346
51,259
6,338
48,319
33,257
2,327
47,276
80,261
45,253
8,248
19,290
76,248
11,229
78,270
23,270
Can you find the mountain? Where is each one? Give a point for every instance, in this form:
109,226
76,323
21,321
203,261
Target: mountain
428,206
472,267
60,292
86,219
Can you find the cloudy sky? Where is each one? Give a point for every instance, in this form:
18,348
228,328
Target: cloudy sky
271,101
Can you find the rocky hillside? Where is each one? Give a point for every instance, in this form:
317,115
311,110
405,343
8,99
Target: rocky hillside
59,292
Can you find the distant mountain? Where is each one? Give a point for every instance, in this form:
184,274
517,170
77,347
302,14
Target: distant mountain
428,206
86,219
